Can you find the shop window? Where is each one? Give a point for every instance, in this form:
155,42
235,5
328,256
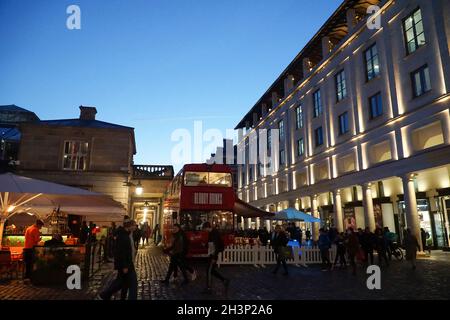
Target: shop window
428,136
381,152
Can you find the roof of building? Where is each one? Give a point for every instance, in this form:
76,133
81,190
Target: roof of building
335,27
14,114
83,123
12,107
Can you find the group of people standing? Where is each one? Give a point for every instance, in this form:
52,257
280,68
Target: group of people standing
351,247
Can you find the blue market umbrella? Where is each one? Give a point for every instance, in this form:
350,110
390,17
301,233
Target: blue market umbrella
291,214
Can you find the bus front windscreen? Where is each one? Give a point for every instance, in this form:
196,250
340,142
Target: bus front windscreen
207,179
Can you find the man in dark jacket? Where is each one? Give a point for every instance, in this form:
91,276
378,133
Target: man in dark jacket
279,243
218,247
124,263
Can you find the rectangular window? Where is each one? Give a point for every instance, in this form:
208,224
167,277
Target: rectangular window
75,155
372,62
317,104
281,128
300,147
343,123
413,31
375,106
299,117
282,157
341,89
218,179
421,81
318,133
269,139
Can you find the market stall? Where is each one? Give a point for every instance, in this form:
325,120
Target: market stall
52,203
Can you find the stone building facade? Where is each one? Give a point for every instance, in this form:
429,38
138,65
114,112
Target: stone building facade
363,123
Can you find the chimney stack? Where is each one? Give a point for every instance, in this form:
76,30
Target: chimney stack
87,113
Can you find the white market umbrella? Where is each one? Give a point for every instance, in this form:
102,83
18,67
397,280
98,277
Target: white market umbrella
291,214
18,193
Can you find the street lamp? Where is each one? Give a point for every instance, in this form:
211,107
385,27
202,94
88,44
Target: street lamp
146,207
139,189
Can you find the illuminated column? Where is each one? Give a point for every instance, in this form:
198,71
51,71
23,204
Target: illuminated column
249,223
411,214
258,222
242,222
369,216
338,218
315,214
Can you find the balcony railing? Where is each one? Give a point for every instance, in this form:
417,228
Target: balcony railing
152,172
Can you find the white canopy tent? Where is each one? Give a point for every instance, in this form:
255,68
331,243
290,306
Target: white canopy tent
22,194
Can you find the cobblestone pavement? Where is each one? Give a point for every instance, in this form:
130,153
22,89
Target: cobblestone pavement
431,280
18,290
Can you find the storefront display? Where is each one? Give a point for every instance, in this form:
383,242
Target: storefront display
378,215
425,221
349,218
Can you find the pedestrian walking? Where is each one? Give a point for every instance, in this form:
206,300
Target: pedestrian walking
352,244
412,246
324,245
424,235
381,247
368,241
176,252
137,234
340,251
279,243
124,255
217,247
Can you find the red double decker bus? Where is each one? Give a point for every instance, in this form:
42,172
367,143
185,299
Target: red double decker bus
200,193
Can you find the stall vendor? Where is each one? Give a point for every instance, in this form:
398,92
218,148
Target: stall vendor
32,238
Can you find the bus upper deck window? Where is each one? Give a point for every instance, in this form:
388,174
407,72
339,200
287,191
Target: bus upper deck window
205,178
219,178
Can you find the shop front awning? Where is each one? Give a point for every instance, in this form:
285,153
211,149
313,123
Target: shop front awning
245,210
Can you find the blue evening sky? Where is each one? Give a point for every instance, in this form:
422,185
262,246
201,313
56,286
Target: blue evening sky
155,65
